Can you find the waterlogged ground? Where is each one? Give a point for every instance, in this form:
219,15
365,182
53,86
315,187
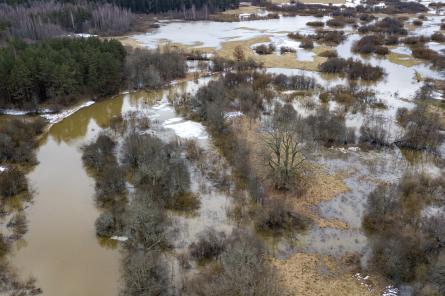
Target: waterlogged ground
61,250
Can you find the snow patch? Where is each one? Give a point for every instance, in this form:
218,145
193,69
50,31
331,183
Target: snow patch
234,114
187,129
390,291
57,117
2,169
119,238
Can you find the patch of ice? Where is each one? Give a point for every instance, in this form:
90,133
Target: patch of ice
390,291
230,115
57,117
13,112
188,129
119,238
173,120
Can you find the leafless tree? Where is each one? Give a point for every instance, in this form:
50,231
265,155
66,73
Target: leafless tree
283,145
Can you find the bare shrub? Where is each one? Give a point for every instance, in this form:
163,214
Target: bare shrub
352,68
12,182
306,43
374,133
422,131
264,49
315,24
329,54
105,225
210,245
276,216
329,129
253,277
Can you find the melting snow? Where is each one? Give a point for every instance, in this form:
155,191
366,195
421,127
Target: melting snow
390,291
186,129
119,238
2,169
57,117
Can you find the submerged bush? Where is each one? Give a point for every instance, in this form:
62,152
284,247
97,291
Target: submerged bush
241,270
329,129
352,68
276,217
422,130
210,245
406,242
18,140
12,182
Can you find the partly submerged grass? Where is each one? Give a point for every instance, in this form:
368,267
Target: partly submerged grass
287,60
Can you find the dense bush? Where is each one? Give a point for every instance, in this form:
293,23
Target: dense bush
407,243
391,26
422,130
374,132
12,182
98,154
253,277
329,129
209,245
329,37
370,44
295,82
105,225
424,53
156,167
264,49
59,71
286,49
18,140
336,22
438,37
352,68
329,54
306,43
315,24
277,217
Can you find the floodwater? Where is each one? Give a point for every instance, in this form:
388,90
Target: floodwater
60,248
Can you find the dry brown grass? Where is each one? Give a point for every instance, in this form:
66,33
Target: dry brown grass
287,60
301,275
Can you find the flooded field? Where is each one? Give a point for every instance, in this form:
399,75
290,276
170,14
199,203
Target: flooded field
61,249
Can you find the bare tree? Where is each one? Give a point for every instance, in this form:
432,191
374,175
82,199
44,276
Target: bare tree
283,145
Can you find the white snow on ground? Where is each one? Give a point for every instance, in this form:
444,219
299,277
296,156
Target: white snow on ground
230,115
13,112
84,35
2,169
119,238
57,117
187,129
390,291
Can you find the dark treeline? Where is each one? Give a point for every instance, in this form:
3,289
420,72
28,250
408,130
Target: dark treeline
58,71
39,20
158,6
